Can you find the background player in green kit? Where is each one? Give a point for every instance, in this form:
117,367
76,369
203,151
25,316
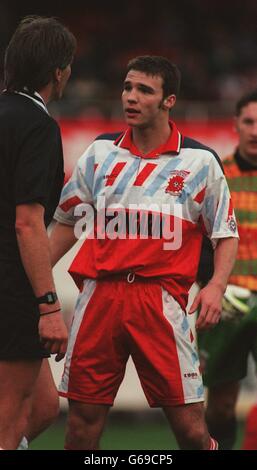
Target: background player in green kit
224,350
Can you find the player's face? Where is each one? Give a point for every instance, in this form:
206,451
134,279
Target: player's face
142,99
246,126
62,76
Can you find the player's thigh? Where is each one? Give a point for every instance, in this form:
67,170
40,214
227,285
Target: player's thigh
97,350
45,391
17,380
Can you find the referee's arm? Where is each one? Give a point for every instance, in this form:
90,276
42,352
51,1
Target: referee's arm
35,254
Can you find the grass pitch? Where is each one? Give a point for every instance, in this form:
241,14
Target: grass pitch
124,431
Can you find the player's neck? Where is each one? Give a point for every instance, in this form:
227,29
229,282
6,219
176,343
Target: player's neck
46,93
150,138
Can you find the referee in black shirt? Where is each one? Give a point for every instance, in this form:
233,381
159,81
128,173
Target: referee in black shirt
37,67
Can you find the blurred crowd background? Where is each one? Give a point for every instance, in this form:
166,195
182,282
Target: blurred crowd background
213,43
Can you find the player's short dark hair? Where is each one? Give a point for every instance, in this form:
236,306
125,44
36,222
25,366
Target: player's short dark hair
157,65
244,100
37,48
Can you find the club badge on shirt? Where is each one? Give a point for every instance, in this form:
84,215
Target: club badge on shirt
176,182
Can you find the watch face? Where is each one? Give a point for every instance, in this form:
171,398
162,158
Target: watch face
48,298
51,297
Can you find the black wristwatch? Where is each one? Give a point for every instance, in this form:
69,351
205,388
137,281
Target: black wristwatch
48,298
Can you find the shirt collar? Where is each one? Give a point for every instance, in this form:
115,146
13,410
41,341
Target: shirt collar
172,145
36,97
243,164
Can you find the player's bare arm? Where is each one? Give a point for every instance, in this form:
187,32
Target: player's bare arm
61,239
209,299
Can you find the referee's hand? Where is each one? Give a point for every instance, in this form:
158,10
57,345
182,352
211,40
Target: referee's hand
53,334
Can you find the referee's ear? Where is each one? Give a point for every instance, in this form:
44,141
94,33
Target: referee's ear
58,75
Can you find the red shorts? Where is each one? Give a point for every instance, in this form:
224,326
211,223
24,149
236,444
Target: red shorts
115,319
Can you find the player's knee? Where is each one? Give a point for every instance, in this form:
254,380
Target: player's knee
83,433
90,422
196,438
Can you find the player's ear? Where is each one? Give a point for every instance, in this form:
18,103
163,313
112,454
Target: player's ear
169,102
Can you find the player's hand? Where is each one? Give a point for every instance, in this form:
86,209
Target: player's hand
209,301
53,334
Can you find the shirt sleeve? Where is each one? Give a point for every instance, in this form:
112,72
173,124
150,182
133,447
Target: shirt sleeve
77,191
36,164
217,212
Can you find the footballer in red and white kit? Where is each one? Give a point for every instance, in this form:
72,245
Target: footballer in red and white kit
185,176
141,201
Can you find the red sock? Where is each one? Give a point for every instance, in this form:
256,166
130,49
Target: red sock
213,444
250,437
